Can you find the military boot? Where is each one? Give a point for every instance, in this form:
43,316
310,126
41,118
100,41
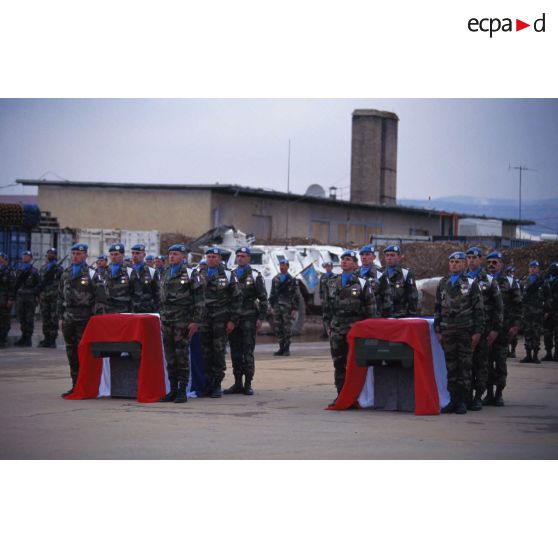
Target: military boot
237,387
26,341
286,351
216,388
451,406
171,395
476,402
536,356
489,397
43,343
248,387
20,341
281,350
181,396
498,399
51,343
548,356
528,358
460,404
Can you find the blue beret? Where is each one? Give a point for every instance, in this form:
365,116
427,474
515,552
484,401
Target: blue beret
213,251
282,260
534,263
3,255
26,253
149,258
495,256
393,248
510,268
457,256
474,251
327,263
243,250
53,250
177,248
203,262
160,257
366,248
117,248
138,247
102,257
349,254
80,246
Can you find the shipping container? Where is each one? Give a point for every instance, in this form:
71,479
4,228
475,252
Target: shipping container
479,227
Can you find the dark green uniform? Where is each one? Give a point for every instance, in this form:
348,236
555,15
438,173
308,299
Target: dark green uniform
511,297
27,294
222,304
120,292
7,294
243,338
381,288
76,304
50,277
404,292
458,315
149,283
283,300
532,311
493,306
345,305
182,303
550,290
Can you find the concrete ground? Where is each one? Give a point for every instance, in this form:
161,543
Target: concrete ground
285,419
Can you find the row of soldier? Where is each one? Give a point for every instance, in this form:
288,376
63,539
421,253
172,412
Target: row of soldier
231,305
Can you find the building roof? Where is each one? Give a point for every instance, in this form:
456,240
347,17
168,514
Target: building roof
237,190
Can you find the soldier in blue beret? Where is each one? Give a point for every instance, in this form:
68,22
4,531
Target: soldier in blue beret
149,281
532,316
160,263
404,291
27,285
511,297
101,266
7,296
378,280
150,261
551,312
48,298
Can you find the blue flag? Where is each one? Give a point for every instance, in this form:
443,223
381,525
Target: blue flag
310,276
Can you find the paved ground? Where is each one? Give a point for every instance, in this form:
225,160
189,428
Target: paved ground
285,419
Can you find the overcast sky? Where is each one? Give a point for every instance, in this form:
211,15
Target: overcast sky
446,147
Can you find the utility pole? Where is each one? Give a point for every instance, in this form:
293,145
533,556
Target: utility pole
520,169
288,192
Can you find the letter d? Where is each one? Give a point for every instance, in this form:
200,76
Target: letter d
536,25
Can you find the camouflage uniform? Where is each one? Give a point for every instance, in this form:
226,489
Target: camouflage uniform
324,278
76,305
7,294
344,306
48,289
283,299
550,290
458,315
243,338
381,288
404,292
222,304
533,311
498,352
149,284
182,303
121,293
493,320
27,293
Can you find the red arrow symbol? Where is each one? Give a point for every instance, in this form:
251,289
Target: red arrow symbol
519,25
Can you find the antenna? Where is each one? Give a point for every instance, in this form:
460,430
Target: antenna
520,169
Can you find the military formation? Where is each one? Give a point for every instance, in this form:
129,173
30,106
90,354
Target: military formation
480,308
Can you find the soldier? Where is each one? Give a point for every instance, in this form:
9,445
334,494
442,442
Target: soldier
150,261
7,295
120,290
76,304
378,281
349,299
253,310
458,322
222,305
48,298
404,291
324,278
511,296
182,311
550,290
149,281
160,264
283,300
533,312
510,272
101,266
27,294
492,325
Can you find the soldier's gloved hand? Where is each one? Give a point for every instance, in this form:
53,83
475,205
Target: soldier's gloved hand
475,339
512,333
491,337
230,327
192,329
258,325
